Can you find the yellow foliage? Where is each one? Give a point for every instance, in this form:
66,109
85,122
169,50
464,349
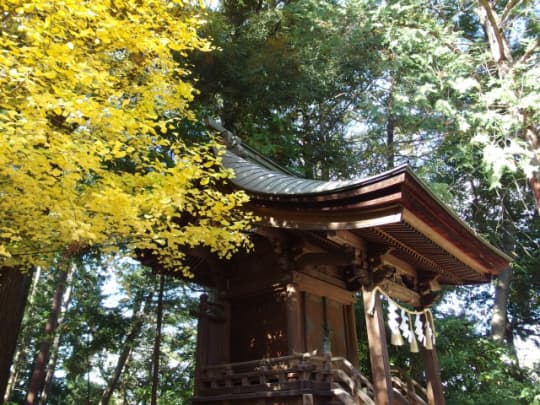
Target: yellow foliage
88,88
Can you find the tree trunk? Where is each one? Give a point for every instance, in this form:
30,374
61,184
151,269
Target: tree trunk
390,146
51,366
38,373
502,57
499,318
14,287
157,341
531,135
23,345
390,126
136,326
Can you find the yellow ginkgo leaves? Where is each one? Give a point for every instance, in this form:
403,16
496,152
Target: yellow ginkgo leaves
89,94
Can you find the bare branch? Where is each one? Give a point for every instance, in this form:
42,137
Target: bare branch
530,50
508,9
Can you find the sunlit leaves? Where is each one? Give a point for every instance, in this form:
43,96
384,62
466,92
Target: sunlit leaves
90,93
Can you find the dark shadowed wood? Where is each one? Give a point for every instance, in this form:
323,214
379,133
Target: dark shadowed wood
378,352
203,341
352,339
433,375
319,287
38,371
295,329
434,388
14,287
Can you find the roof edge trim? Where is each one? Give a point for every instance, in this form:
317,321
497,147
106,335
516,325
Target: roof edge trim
444,243
454,216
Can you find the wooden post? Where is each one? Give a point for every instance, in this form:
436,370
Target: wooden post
378,351
295,335
201,358
227,332
352,339
433,375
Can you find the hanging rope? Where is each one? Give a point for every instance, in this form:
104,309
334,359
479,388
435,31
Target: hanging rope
401,325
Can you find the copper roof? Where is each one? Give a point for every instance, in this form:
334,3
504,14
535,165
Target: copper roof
255,178
394,208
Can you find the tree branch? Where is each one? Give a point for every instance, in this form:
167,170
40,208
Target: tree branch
530,50
493,26
507,10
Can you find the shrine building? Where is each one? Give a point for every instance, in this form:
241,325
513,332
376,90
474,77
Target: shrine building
278,324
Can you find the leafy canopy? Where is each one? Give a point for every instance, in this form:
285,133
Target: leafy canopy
90,95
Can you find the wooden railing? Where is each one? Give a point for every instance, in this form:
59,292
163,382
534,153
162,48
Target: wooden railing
408,389
280,376
287,376
358,385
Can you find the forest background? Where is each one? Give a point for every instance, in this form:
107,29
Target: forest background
328,89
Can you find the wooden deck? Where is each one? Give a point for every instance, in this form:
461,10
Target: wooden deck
297,379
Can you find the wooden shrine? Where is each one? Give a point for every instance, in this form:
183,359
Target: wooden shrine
278,323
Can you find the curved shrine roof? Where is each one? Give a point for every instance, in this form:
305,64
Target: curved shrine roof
394,208
256,178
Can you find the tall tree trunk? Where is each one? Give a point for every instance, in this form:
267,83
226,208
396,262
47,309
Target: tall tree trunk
14,287
38,373
502,57
532,137
390,146
127,347
51,366
22,346
390,126
157,341
499,318
123,390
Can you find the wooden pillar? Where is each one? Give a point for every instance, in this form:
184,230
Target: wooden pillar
378,351
227,332
433,376
295,324
201,354
352,339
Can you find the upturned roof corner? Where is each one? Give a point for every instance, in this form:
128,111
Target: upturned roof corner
394,207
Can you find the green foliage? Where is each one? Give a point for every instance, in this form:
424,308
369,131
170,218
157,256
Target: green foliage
474,369
97,322
338,89
287,78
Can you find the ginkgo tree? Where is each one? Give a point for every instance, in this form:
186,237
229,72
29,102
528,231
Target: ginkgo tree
91,92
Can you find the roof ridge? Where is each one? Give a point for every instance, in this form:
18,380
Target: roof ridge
235,144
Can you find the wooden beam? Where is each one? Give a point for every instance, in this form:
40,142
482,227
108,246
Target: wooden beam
347,238
400,292
318,221
378,351
254,286
315,272
400,265
321,288
321,258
